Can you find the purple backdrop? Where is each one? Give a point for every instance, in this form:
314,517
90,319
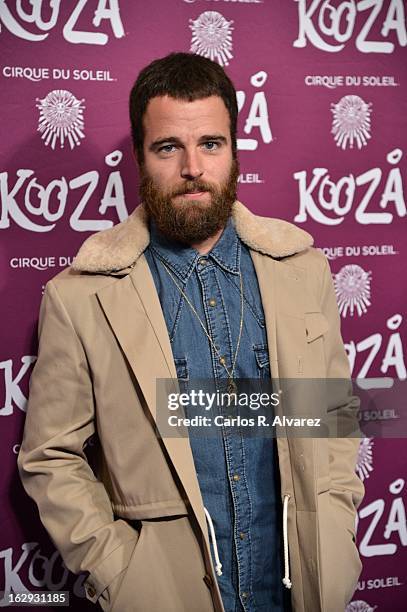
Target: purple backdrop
322,129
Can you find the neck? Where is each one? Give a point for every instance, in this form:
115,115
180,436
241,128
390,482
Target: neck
205,246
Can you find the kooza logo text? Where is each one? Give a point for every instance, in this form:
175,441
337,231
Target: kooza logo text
319,194
329,27
106,10
29,197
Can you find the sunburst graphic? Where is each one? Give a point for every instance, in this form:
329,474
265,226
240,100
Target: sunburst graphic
359,606
352,288
364,463
351,122
212,37
61,118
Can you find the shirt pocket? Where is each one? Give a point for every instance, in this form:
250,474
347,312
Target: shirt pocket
181,367
262,360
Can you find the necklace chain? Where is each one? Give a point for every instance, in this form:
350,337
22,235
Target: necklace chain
231,384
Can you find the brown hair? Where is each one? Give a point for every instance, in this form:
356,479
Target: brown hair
183,76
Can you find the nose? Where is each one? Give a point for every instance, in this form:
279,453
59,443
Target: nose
191,167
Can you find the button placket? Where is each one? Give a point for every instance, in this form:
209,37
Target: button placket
215,316
241,510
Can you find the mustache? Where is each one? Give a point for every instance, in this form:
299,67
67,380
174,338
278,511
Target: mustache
190,186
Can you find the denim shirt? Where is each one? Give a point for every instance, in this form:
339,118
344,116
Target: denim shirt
237,474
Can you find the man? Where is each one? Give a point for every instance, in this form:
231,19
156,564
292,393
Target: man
191,285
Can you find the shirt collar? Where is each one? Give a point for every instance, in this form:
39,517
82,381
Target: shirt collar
179,258
226,251
182,259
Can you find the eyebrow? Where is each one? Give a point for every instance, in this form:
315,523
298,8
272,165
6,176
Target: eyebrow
175,140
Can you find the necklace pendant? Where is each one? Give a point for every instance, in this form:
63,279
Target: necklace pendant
232,387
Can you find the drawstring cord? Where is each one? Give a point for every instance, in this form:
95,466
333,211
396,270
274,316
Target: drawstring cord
218,564
286,580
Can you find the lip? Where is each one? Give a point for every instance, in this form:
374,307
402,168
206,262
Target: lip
193,196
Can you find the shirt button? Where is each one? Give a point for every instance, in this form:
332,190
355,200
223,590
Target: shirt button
242,535
244,595
222,360
212,302
202,262
236,477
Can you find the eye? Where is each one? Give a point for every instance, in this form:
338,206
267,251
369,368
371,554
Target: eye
211,145
169,148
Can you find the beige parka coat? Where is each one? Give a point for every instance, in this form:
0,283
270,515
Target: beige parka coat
136,521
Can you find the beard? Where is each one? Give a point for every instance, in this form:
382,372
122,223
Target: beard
188,221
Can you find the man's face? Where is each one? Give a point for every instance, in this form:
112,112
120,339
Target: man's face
189,177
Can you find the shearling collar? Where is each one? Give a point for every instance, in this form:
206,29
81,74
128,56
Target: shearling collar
120,246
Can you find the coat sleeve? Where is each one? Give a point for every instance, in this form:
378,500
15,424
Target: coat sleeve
73,505
347,489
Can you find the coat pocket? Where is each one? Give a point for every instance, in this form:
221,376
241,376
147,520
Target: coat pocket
166,571
103,580
323,484
114,589
316,324
338,557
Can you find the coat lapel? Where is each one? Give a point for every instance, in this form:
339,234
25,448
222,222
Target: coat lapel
134,312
